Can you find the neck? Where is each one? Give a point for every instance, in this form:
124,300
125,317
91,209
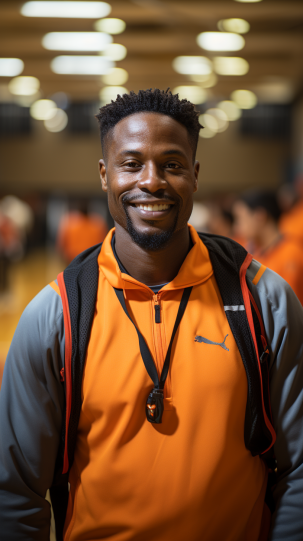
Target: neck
152,268
270,234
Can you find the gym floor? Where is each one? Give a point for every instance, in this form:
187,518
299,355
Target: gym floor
26,278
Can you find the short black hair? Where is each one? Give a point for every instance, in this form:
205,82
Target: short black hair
264,199
152,101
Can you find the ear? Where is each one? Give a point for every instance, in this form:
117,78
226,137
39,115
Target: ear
103,175
196,173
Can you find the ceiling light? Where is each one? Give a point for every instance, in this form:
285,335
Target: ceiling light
240,26
220,41
9,67
206,133
221,118
230,65
192,65
116,76
42,109
76,41
57,121
215,120
248,1
27,101
209,121
245,99
195,94
24,86
115,51
69,10
205,81
109,93
112,26
231,109
81,65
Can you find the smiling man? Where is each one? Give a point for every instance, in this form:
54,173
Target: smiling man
139,378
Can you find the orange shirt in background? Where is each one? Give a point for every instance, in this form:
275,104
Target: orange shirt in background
286,259
78,232
291,223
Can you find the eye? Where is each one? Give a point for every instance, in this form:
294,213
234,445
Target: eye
172,165
132,165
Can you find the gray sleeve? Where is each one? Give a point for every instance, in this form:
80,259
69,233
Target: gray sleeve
283,321
31,405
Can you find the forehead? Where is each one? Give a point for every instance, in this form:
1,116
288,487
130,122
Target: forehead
152,130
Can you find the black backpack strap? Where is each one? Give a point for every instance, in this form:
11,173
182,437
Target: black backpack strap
59,499
81,284
227,258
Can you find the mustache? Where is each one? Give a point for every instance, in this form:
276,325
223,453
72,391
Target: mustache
146,197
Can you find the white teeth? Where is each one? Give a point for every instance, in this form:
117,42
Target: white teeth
152,208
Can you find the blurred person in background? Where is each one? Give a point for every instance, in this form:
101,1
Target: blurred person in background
137,382
16,219
221,220
9,240
79,230
291,221
287,197
257,215
22,217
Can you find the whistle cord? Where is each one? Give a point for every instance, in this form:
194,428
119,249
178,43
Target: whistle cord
145,353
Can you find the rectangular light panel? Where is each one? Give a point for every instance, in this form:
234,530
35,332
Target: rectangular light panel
81,65
76,41
66,10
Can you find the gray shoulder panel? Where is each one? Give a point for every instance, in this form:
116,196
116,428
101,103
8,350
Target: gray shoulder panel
31,403
253,269
283,321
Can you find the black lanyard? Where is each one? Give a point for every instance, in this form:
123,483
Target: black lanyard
154,404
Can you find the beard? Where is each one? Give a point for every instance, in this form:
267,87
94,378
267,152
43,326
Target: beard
150,241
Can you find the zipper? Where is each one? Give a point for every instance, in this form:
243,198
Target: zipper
160,345
157,308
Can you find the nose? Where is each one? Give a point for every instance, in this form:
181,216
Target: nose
152,179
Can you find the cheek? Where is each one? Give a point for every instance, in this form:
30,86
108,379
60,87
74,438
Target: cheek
186,204
115,205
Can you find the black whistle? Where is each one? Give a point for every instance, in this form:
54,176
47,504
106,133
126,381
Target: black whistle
154,406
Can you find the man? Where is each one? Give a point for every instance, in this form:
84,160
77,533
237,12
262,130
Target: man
158,335
257,216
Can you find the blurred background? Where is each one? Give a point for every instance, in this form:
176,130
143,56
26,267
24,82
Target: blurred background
239,62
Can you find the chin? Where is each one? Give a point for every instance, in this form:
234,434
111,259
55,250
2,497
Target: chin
150,241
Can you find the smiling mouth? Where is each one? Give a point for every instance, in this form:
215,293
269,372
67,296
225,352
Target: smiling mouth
152,208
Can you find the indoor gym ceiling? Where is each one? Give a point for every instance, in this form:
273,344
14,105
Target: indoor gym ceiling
157,32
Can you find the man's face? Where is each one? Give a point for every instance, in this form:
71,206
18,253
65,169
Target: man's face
149,177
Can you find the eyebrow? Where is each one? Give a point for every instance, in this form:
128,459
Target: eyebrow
174,151
131,152
166,153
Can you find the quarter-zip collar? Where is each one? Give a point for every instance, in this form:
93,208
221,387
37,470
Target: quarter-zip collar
195,269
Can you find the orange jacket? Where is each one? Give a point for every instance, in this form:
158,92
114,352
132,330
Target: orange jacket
133,480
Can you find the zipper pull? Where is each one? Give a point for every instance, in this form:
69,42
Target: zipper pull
157,310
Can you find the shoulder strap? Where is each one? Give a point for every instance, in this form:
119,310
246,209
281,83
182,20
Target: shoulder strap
230,262
78,288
